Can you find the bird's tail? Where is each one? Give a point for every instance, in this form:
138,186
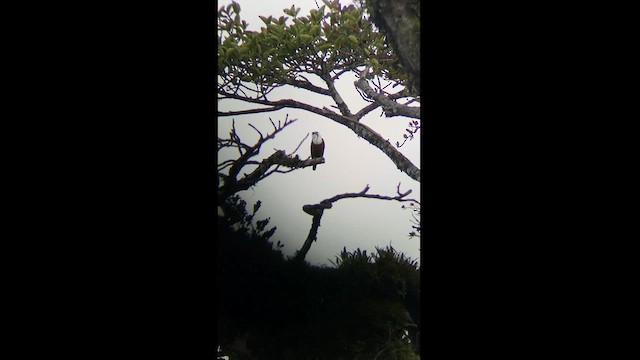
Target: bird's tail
314,168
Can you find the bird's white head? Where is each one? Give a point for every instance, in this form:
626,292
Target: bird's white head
316,138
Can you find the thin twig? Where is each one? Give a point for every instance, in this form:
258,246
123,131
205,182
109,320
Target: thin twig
294,151
254,128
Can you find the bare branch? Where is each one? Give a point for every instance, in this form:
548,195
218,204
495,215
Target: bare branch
307,85
317,210
269,173
286,171
365,110
342,106
390,107
254,128
337,75
252,111
236,139
400,197
244,159
278,158
225,164
305,138
360,129
315,224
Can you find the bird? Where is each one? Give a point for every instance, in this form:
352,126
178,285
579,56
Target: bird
317,146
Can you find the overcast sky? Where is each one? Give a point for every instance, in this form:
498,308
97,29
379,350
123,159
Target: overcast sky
351,164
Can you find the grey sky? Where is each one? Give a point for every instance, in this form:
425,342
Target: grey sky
351,164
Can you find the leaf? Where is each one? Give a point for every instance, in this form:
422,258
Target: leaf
315,30
324,47
353,39
236,7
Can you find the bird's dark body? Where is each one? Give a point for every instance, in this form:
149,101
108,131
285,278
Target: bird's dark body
317,150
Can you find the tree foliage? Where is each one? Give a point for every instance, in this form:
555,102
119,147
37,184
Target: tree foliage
311,53
333,39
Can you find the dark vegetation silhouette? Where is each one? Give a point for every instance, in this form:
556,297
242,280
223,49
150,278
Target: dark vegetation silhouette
270,307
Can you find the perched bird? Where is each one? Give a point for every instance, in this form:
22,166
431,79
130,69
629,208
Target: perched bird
317,146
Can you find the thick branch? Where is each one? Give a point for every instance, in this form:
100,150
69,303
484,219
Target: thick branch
374,105
360,129
400,22
315,224
279,158
307,85
391,108
253,151
317,210
342,106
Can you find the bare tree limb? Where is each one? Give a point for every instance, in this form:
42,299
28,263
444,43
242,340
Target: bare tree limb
317,210
294,151
307,85
337,75
231,182
374,105
254,128
225,164
278,158
342,106
251,111
391,108
360,129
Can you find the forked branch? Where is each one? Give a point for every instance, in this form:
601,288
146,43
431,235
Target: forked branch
317,210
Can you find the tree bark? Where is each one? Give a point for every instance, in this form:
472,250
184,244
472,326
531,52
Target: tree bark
399,20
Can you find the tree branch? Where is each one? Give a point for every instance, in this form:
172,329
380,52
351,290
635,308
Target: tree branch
374,105
317,210
231,183
360,129
342,106
307,85
251,111
278,158
400,22
391,108
294,151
